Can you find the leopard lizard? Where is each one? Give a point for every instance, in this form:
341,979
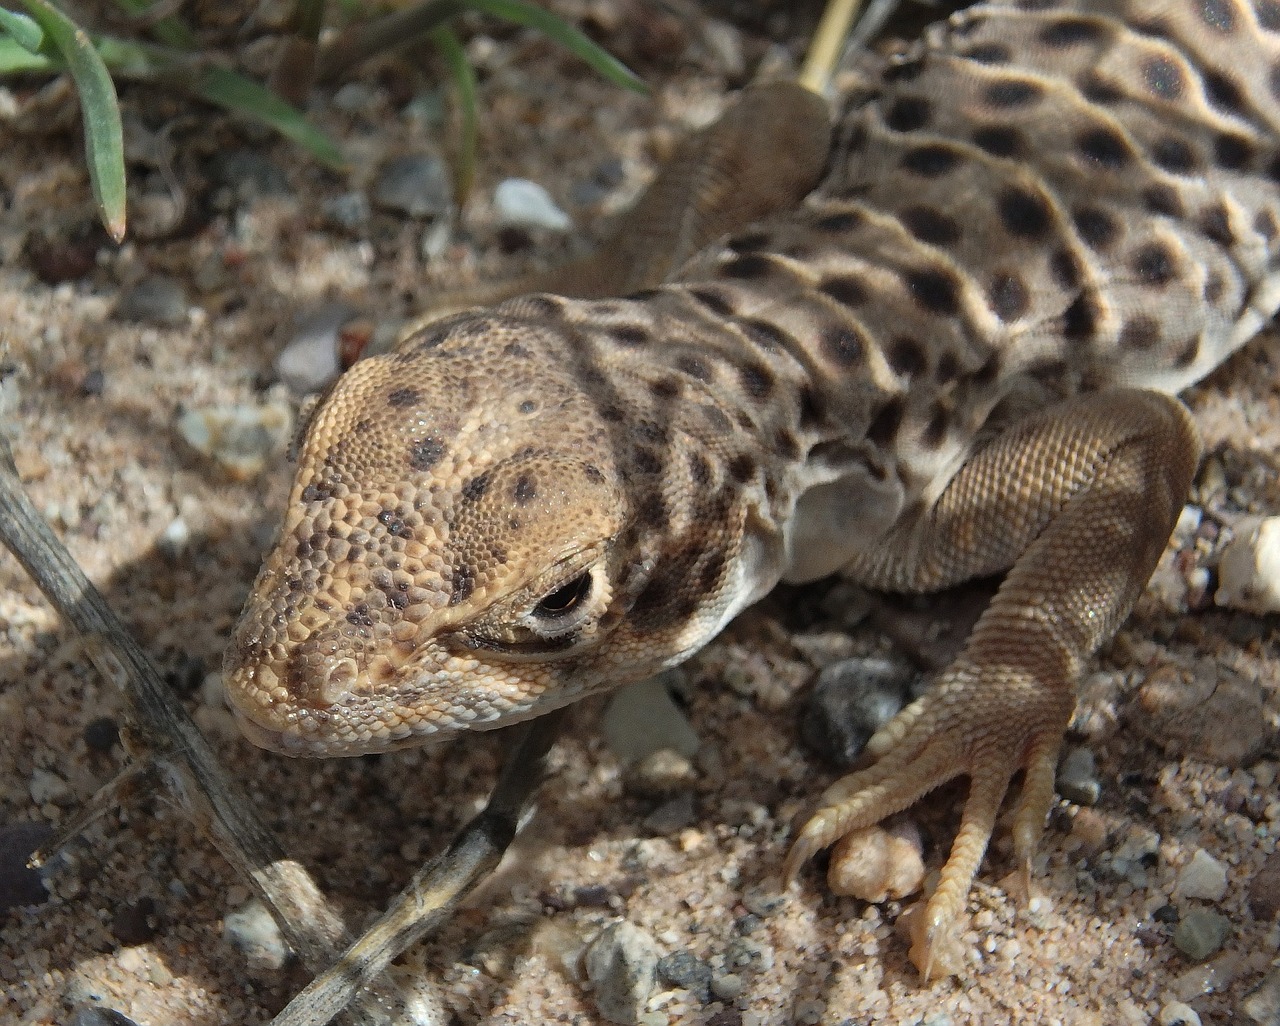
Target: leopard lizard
957,355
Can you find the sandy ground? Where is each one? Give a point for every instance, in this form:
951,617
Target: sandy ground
1180,712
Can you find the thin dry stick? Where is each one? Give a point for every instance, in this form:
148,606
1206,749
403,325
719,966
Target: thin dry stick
438,887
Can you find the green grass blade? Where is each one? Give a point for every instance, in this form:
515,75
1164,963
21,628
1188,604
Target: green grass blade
244,96
18,60
25,31
464,80
530,15
170,29
103,133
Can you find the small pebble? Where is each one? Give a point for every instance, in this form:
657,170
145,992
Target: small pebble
876,864
20,885
240,439
253,932
520,203
1204,877
1078,777
1264,890
156,299
622,965
1249,572
415,185
727,986
350,211
101,734
643,719
311,359
746,956
246,175
684,969
850,701
47,787
1175,1013
135,923
59,260
660,774
1200,933
1263,1004
671,816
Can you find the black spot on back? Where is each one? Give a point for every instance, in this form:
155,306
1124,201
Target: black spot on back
1008,296
749,266
935,429
628,334
1219,15
1188,354
766,335
756,380
842,345
1099,229
1104,147
665,388
1163,77
1162,199
841,221
934,289
694,366
930,161
1232,151
929,224
1011,93
525,491
845,289
1070,32
1080,320
1065,268
908,114
476,487
1216,224
884,426
749,242
905,355
401,397
1153,264
425,453
646,460
712,300
989,53
999,140
1023,213
1140,333
1173,155
742,467
699,470
1223,91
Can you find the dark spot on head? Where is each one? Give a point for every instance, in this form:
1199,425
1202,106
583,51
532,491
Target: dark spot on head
742,467
1080,319
1188,354
1008,296
1223,91
1104,147
628,334
810,412
425,453
929,224
1023,213
1009,93
592,473
749,242
1265,224
931,160
748,266
646,460
948,367
785,444
1173,154
1154,264
1098,90
612,414
715,417
699,469
999,140
905,355
908,114
1232,151
400,397
1065,268
841,344
936,290
756,380
694,366
476,487
652,432
463,581
712,300
1140,332
665,388
1214,286
884,425
1219,15
989,53
842,221
652,513
845,289
904,71
1216,225
1163,77
1097,227
527,406
1070,32
1162,199
525,490
935,429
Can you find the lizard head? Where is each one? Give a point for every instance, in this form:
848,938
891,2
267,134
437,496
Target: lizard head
468,543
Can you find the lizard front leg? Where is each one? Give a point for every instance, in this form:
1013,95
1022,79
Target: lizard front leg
1079,500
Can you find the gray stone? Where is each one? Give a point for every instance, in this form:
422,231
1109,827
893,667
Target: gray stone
416,185
622,965
156,299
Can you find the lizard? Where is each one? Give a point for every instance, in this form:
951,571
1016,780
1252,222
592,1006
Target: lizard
955,352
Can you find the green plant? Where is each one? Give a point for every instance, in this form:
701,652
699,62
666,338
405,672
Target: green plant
45,40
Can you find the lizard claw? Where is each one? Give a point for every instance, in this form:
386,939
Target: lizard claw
986,723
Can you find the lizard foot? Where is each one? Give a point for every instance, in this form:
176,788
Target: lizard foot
986,723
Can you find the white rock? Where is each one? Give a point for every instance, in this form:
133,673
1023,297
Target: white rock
1175,1013
525,204
255,933
1203,877
1249,573
310,360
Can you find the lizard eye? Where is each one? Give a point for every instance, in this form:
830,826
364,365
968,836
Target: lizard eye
564,599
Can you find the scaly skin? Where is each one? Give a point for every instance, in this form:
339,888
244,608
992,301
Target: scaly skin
955,356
